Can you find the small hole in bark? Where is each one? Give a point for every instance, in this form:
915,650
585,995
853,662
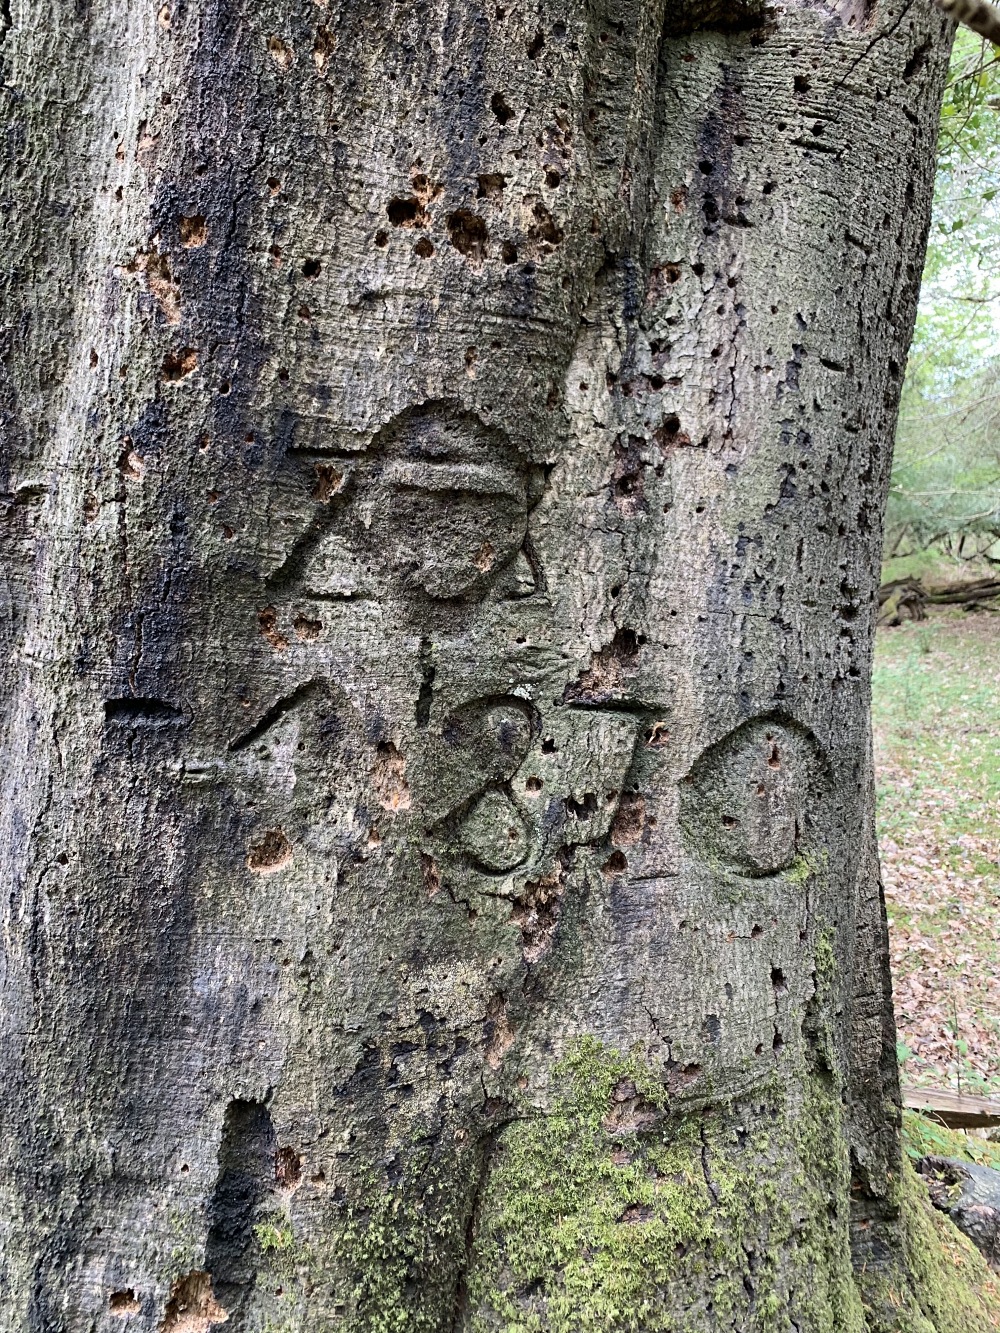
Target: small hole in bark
756,933
273,184
548,745
307,630
553,180
468,234
329,481
778,1044
323,48
178,364
431,875
533,785
759,1048
194,232
500,109
424,248
778,980
124,1303
508,252
616,864
536,44
312,268
491,185
281,54
273,852
403,212
287,1169
283,376
698,270
381,239
801,83
192,1305
268,622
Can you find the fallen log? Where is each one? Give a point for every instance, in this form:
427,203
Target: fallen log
952,1109
979,591
909,597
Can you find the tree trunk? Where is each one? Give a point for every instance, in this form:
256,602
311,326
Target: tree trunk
443,461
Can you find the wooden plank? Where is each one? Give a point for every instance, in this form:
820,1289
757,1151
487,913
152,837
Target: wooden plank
952,1110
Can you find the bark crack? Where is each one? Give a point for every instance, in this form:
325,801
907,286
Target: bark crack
879,37
706,1168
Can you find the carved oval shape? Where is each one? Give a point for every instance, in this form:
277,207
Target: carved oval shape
746,801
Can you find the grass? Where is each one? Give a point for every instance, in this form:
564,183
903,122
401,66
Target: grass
923,1137
936,714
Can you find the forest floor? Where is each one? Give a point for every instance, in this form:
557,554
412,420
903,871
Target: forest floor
936,712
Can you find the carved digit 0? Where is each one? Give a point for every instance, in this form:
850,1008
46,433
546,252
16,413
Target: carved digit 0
747,798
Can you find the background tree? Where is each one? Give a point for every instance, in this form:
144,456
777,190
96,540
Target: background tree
444,456
945,490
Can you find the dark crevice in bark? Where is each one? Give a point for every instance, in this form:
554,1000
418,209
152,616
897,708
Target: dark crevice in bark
462,1310
246,1176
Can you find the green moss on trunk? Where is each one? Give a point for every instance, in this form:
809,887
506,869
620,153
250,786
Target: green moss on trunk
616,1212
942,1284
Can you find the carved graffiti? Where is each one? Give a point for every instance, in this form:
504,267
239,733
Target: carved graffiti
747,798
512,787
436,507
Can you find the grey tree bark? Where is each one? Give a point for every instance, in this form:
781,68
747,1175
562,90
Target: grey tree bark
444,445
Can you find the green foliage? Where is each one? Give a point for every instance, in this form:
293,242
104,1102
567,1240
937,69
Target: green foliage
946,476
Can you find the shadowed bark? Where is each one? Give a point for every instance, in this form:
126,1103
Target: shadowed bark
444,449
